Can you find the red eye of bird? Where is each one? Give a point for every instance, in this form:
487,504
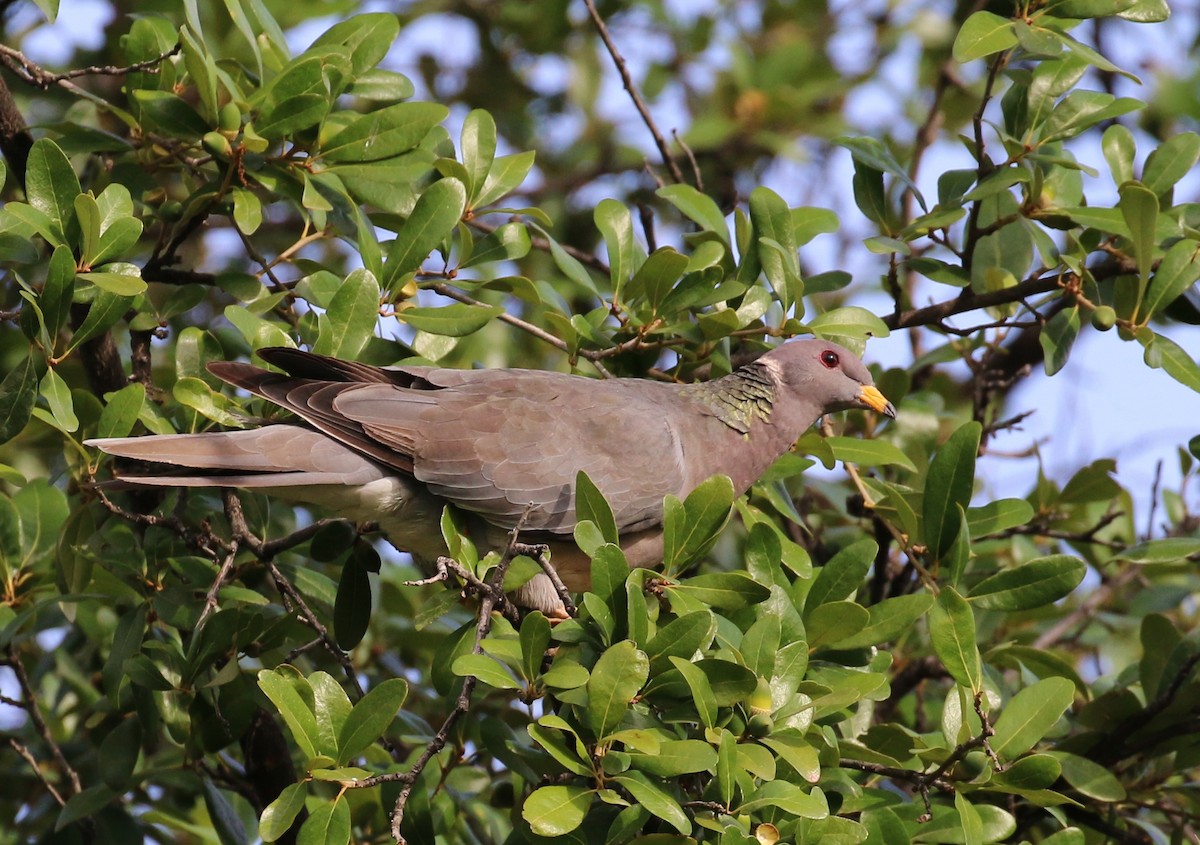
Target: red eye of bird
829,358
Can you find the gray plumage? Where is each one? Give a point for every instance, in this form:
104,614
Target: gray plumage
395,444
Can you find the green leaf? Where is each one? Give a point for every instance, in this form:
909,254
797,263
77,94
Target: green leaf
952,631
1091,779
18,392
433,218
121,410
1081,110
676,757
848,325
197,395
58,397
278,816
385,133
1162,352
776,244
691,527
352,609
1171,161
366,37
697,207
617,677
55,299
455,320
998,516
613,220
702,694
1031,713
889,620
830,623
948,486
299,97
724,590
505,176
535,639
869,453
51,187
1165,550
225,820
121,284
1139,208
170,114
682,637
1034,584
874,154
969,820
370,718
654,799
1176,273
983,34
119,751
328,824
487,669
507,243
1119,151
1057,337
556,810
292,697
87,212
353,315
84,804
590,504
843,574
554,744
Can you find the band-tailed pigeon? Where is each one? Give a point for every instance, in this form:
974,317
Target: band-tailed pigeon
395,444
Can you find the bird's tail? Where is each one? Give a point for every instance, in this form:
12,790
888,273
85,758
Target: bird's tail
272,456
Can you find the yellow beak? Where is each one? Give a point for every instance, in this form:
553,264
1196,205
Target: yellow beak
876,401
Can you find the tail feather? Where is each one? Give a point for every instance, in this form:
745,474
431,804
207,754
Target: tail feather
275,455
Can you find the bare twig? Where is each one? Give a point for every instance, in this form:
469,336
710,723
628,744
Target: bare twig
33,73
638,103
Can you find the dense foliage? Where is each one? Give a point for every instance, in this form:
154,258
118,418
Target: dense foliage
882,655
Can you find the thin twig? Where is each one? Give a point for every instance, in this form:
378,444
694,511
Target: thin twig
634,94
33,73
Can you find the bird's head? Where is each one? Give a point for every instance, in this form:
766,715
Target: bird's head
825,376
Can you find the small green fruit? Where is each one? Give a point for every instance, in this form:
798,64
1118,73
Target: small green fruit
1104,318
229,120
760,725
216,143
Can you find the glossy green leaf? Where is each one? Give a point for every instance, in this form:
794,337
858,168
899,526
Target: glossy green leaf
983,34
487,669
616,678
1171,161
352,609
292,697
507,173
121,284
830,623
1165,550
328,824
724,590
1163,352
869,453
843,574
697,207
1033,584
1057,337
371,717
58,396
433,218
383,133
948,486
654,799
998,516
590,504
556,810
1030,715
952,631
616,225
1139,208
676,757
1090,778
18,392
1176,273
352,317
278,816
692,526
455,320
51,187
681,637
702,693
366,37
889,620
507,243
